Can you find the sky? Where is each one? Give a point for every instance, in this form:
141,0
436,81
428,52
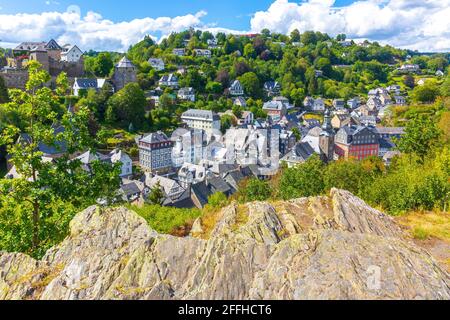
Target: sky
115,25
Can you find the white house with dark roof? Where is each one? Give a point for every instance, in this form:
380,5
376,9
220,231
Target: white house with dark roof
169,80
71,54
157,64
118,156
180,52
236,88
202,53
201,119
240,101
81,84
187,94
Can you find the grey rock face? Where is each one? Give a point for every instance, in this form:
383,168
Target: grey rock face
316,248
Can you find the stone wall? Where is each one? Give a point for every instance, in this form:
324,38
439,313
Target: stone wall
15,78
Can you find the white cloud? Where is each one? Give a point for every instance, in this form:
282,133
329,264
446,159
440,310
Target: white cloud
416,24
91,31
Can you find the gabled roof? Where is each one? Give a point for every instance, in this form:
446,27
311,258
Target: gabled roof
303,150
125,63
202,192
84,83
130,189
155,137
218,184
186,91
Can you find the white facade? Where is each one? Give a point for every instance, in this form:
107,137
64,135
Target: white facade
201,119
157,64
73,54
236,88
122,157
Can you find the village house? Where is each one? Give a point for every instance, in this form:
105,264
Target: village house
212,43
341,120
155,152
357,142
314,105
180,52
400,100
201,119
439,73
187,94
240,101
157,64
71,53
339,104
118,156
247,118
169,80
275,109
83,85
301,152
202,53
172,189
353,103
409,68
189,146
236,88
272,88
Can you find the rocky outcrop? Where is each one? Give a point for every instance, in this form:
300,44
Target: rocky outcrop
333,247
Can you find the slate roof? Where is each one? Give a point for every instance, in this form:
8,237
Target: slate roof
84,83
202,192
58,148
218,185
125,63
303,150
130,189
155,137
201,114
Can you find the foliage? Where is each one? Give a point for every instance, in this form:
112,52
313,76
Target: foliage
127,106
426,93
36,206
255,190
156,195
217,200
304,180
421,134
166,220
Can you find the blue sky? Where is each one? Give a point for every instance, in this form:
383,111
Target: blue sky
233,14
115,25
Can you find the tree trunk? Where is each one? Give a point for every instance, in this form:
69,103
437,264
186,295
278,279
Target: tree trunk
35,226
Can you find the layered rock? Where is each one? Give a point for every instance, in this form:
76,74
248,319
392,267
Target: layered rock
333,247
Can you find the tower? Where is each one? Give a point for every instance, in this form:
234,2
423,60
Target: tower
326,139
124,73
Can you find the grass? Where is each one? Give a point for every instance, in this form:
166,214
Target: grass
425,225
168,220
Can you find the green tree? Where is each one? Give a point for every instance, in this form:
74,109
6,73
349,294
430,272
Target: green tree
47,190
251,84
127,106
256,190
426,93
103,65
421,135
217,200
303,180
214,87
156,196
